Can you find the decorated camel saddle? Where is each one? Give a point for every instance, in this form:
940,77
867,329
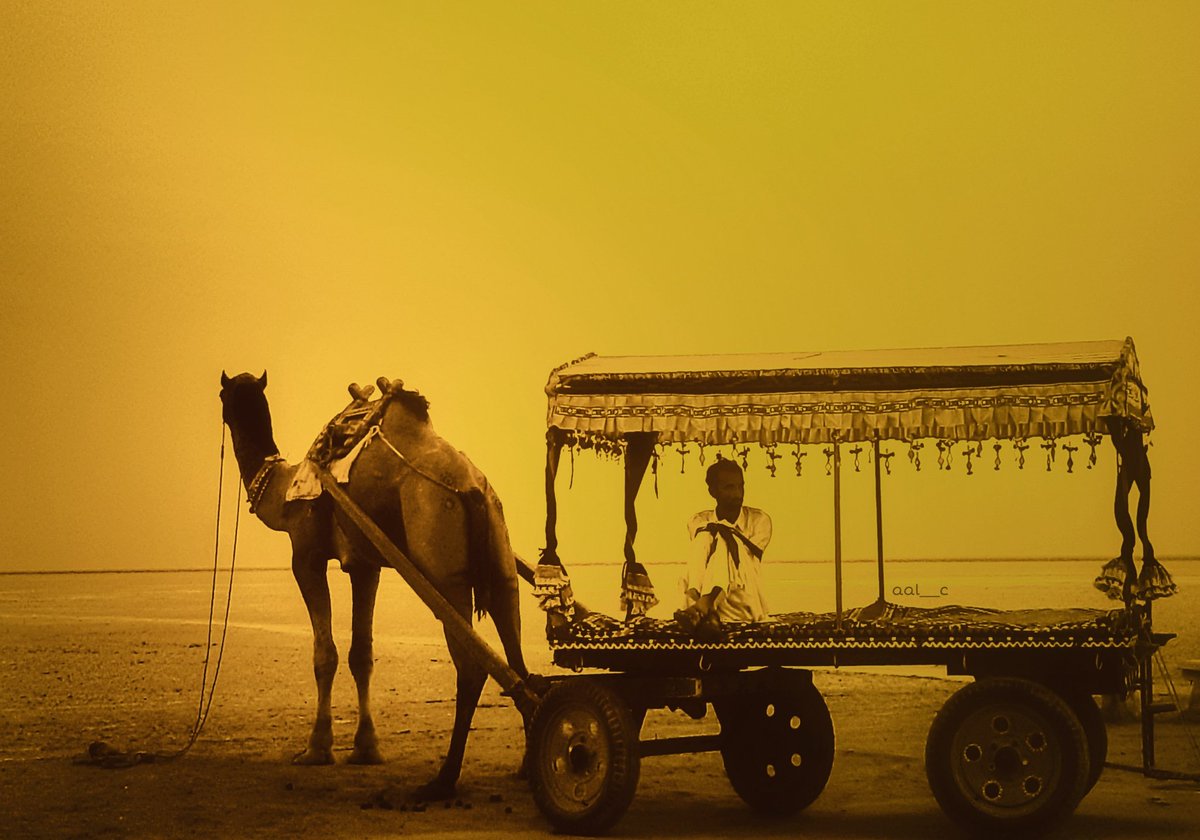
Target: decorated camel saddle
344,437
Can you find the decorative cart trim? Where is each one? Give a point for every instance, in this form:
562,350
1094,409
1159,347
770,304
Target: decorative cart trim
950,627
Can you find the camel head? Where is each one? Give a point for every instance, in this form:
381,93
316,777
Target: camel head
244,402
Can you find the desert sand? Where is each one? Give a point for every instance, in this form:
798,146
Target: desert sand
83,662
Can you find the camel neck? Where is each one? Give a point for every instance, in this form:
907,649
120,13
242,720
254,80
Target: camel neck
251,451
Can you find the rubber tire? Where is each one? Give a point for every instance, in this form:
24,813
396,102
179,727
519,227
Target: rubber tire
603,741
1092,719
761,738
1012,698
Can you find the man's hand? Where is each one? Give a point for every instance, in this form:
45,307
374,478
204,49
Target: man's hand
729,533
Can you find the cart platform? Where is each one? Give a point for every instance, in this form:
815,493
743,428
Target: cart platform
901,635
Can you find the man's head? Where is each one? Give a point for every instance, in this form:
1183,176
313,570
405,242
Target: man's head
726,484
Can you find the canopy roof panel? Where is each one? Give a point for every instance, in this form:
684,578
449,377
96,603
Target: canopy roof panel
952,393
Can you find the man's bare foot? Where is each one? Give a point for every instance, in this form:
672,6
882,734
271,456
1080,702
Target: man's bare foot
709,629
688,619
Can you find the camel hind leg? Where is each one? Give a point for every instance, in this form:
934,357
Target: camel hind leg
309,572
505,610
364,583
504,606
506,615
437,526
468,688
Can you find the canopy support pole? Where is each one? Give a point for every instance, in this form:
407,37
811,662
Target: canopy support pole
877,609
879,521
638,452
554,445
837,530
637,592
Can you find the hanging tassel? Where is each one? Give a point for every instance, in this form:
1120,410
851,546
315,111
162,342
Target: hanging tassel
886,457
744,453
1020,445
1070,450
1113,577
997,447
945,454
637,592
772,457
799,463
1092,439
683,452
1155,582
1049,446
552,586
914,453
856,451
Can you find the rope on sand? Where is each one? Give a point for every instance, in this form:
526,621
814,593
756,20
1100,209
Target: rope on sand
101,754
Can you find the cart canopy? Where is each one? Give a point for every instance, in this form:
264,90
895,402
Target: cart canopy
953,393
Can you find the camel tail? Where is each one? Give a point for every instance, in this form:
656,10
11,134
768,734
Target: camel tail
480,561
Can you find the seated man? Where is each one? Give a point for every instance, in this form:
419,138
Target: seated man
724,577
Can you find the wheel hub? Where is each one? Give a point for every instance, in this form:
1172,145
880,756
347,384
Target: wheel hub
1004,759
578,759
1007,755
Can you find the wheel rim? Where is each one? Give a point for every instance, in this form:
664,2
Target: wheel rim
576,758
776,745
780,726
1006,759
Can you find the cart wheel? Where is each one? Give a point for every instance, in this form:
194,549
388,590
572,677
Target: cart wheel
1092,720
584,757
1006,755
777,747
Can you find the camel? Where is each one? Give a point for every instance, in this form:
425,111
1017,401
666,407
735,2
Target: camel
431,502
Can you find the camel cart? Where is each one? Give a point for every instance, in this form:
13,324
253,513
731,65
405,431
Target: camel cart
1015,750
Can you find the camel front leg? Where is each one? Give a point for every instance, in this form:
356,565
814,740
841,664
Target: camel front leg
364,581
314,587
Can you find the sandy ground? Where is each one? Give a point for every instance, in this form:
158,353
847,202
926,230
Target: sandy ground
69,679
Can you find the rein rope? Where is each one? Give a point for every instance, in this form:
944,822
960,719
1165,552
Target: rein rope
103,755
376,431
203,706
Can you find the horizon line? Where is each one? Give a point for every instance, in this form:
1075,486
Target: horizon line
586,563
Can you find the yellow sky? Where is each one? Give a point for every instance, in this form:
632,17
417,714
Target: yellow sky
464,195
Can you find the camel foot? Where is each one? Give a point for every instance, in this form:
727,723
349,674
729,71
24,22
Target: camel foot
365,755
435,791
313,758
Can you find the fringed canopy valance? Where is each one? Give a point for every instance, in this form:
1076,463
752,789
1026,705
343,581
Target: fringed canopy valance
962,393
